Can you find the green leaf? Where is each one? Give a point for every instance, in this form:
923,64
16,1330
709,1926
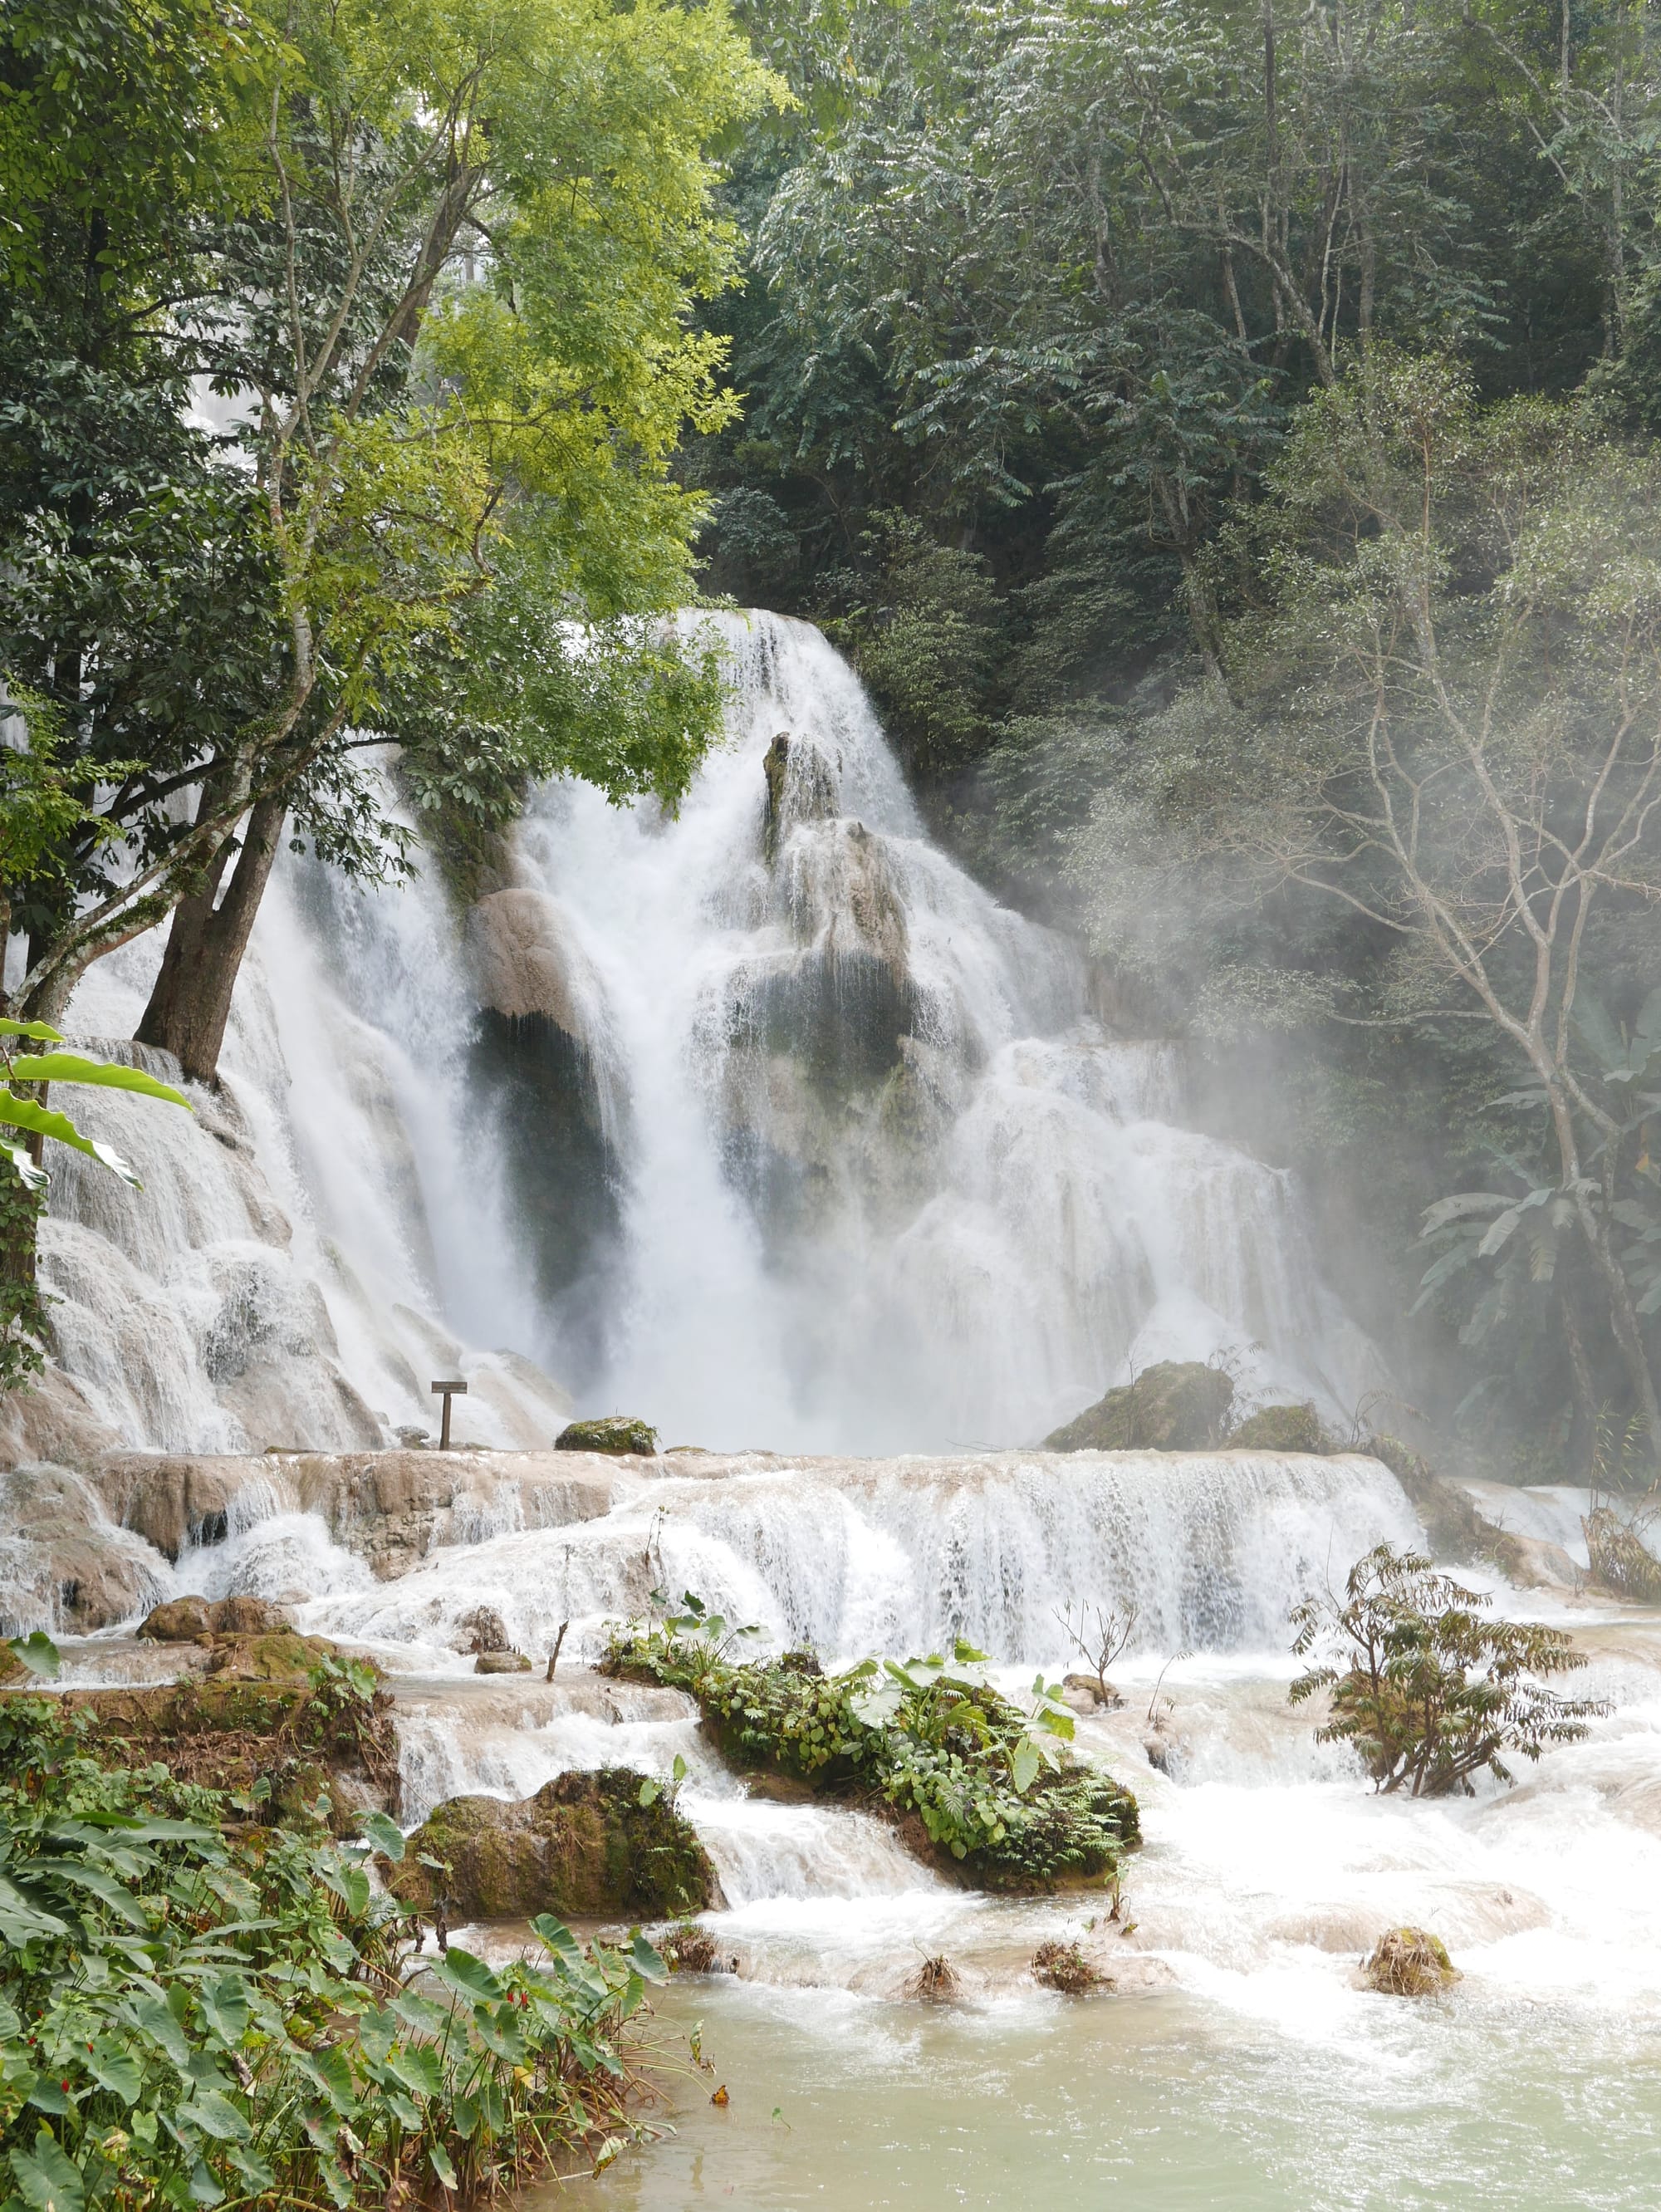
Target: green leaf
47,2096
44,2177
417,2067
37,1653
11,2023
35,1178
115,2069
650,1792
204,2189
107,1074
43,1121
216,2116
21,1920
102,1885
468,1976
349,1883
152,2017
1024,1767
385,1835
441,2163
225,2008
646,1959
42,1032
407,2115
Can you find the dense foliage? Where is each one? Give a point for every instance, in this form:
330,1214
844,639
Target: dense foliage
1429,1687
344,351
1086,349
198,2007
987,1781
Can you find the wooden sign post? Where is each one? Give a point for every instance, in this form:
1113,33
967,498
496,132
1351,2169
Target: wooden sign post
447,1391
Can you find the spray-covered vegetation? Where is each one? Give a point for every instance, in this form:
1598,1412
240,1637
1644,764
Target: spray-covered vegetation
983,1783
201,2007
1429,1688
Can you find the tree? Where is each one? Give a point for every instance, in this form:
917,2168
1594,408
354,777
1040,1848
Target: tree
444,296
1444,717
1427,1687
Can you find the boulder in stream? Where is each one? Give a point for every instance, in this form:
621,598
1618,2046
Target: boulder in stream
1409,1962
1282,1429
185,1619
611,1432
1180,1404
584,1846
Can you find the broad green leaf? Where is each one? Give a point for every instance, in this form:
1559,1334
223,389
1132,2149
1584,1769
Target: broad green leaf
42,1032
650,1792
561,1941
152,2017
441,2166
44,1121
385,1835
115,2069
407,2115
646,1959
417,2067
204,2189
349,1883
1024,1767
216,2116
11,2024
44,2177
37,1653
467,1975
225,2008
501,2034
47,2095
21,1920
102,1885
107,1074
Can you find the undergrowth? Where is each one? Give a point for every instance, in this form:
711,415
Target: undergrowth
991,1783
198,2009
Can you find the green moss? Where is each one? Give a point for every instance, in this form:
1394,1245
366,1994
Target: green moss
1178,1405
584,1846
614,1432
1282,1429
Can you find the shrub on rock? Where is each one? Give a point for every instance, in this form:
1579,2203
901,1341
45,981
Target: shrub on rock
973,1782
614,1432
1409,1962
1064,1967
584,1845
1178,1405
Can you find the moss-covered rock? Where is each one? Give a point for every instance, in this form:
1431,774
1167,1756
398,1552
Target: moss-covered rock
1284,1429
185,1619
501,1662
613,1432
1181,1405
584,1846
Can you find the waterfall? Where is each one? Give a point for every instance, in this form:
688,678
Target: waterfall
765,1121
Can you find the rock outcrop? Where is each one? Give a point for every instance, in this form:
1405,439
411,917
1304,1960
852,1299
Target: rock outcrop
67,1565
1178,1405
583,1846
391,1507
186,1620
1282,1429
615,1433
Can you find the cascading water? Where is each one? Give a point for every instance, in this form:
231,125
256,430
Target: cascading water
766,1123
883,1183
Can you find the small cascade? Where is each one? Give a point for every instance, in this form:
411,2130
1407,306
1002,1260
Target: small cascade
853,1556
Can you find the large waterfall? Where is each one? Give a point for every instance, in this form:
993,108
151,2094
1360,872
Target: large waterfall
765,1121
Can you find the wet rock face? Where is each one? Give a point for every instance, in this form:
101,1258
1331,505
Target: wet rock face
1181,1405
583,1845
66,1565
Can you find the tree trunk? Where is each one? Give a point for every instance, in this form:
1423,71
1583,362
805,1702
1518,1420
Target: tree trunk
192,1002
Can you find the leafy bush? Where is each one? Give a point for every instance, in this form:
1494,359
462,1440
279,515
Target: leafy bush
1426,1685
930,1738
197,2008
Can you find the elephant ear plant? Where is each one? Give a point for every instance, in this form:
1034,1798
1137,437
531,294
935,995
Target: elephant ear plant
25,1123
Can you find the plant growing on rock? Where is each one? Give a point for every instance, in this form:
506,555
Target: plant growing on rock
198,2009
930,1741
1429,1688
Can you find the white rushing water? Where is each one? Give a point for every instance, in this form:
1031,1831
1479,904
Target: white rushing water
766,1123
